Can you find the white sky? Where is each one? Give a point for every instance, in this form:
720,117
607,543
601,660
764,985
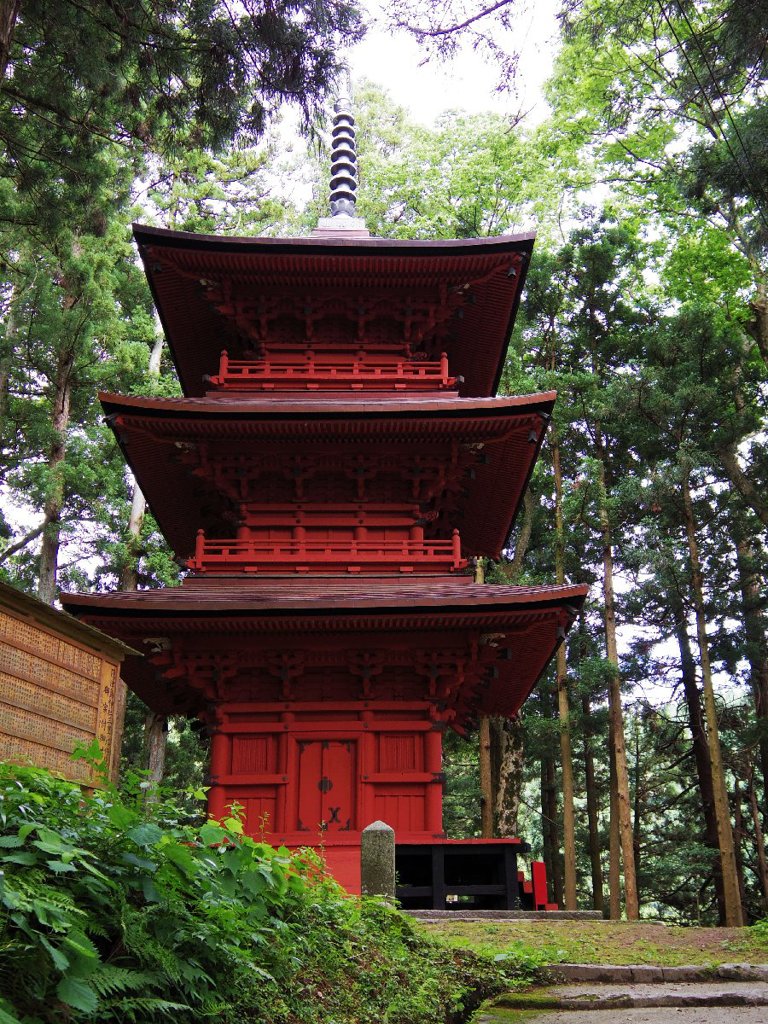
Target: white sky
468,82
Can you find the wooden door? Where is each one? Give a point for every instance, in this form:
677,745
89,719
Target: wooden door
327,783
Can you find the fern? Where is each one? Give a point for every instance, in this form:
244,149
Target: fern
110,980
147,1008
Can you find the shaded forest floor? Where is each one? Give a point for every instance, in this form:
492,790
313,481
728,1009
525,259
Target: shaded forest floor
607,942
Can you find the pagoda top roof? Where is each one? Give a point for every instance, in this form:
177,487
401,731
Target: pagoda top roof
153,432
524,624
201,283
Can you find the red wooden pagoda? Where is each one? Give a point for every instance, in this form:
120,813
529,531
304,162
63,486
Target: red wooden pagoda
334,461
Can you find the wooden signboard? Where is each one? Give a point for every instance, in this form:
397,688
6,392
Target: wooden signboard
60,686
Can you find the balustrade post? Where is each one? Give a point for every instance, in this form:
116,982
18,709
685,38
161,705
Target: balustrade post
199,548
456,549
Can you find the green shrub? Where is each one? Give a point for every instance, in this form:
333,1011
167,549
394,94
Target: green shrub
114,909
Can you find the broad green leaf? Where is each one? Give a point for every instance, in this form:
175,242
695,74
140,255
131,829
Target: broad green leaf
60,866
78,994
6,1017
146,834
51,842
60,961
139,862
81,944
211,833
254,882
149,889
180,857
24,857
121,816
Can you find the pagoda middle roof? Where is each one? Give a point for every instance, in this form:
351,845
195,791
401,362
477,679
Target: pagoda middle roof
529,622
152,431
489,273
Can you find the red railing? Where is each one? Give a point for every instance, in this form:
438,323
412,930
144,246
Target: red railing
368,373
348,555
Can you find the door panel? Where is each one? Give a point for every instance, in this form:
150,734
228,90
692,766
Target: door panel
327,783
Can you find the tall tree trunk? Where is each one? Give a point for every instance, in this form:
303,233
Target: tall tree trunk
762,864
9,14
729,460
130,569
758,326
757,648
506,751
155,725
515,567
639,795
738,835
596,867
733,910
563,708
486,786
54,502
698,741
484,750
614,840
155,742
619,754
129,573
507,762
550,829
7,352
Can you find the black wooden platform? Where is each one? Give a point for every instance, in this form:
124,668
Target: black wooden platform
460,875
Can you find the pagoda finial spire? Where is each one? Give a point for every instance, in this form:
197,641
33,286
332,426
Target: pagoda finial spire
343,158
343,195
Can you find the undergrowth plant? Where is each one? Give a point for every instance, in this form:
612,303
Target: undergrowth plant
115,909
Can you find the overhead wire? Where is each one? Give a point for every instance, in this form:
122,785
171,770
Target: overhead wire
755,188
757,180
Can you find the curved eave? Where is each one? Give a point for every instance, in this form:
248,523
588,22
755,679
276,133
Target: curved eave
176,262
527,623
247,598
264,409
150,432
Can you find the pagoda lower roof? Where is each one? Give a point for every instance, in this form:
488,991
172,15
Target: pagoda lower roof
318,593
484,275
152,431
527,623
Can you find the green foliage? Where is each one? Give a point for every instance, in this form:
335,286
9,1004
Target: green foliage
86,83
113,910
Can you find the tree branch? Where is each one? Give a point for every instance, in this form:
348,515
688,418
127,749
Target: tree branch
435,32
22,543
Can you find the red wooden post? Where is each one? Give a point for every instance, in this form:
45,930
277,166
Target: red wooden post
221,758
539,882
197,562
456,549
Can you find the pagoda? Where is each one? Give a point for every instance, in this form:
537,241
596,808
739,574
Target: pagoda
337,458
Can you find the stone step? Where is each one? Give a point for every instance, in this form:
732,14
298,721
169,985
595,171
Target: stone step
618,997
633,974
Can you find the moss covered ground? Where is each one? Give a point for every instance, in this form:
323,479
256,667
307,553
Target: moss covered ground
605,942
